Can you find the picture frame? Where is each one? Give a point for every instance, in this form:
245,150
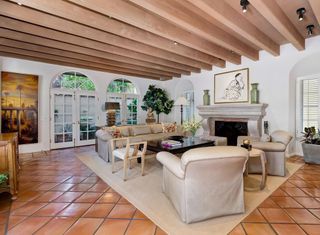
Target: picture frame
232,86
19,106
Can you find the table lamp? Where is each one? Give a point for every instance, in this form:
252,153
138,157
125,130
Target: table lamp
111,108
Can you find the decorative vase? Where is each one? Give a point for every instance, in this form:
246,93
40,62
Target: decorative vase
254,93
206,97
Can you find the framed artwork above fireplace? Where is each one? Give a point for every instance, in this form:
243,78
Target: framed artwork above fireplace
232,87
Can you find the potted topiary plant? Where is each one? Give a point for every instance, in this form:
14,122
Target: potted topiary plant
157,100
311,145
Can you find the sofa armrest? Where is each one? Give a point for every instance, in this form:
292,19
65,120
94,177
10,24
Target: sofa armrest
103,135
172,163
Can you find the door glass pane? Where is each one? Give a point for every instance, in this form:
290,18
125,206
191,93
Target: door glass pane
87,116
132,107
63,118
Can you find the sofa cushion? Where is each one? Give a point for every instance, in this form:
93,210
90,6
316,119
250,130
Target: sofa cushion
169,127
140,130
269,146
124,131
265,138
281,137
156,128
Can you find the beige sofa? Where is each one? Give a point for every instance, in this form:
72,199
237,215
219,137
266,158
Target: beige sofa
136,133
205,182
275,150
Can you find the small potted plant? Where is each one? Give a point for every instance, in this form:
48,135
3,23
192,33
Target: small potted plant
191,126
311,145
3,180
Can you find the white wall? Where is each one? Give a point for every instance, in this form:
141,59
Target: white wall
46,73
276,77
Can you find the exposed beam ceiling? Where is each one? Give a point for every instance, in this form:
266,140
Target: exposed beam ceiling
156,39
225,14
315,5
275,15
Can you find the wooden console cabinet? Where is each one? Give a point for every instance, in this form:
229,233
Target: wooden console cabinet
9,161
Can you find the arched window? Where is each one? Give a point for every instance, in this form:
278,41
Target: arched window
121,86
73,80
125,93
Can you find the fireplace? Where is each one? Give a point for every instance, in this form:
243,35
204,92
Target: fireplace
231,130
230,114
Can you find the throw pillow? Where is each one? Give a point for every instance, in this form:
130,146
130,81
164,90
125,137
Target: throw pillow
169,127
265,138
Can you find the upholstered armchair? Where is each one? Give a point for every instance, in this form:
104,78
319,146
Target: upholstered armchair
205,182
275,149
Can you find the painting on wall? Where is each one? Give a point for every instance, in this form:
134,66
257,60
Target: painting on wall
232,87
19,106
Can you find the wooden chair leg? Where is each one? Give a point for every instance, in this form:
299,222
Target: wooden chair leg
125,163
142,164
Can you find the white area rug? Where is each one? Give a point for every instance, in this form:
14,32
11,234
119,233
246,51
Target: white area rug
144,192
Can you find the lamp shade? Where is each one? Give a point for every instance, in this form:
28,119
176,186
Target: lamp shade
181,101
112,106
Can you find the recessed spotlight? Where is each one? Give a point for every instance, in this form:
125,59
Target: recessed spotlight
244,4
19,3
310,28
301,12
175,43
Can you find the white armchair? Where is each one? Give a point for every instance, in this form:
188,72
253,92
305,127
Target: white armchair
205,182
275,150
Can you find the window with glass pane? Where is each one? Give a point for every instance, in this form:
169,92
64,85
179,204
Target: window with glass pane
121,86
73,80
310,103
124,92
132,107
188,113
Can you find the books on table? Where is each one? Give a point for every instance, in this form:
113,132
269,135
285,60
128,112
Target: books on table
171,143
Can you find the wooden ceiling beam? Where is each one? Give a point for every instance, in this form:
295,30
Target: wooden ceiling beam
76,61
315,5
274,14
72,55
142,19
14,35
104,29
31,58
222,12
32,16
176,12
113,52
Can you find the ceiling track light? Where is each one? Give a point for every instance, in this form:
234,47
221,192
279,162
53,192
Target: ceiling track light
244,4
310,28
301,12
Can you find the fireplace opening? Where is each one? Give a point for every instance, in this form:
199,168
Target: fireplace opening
231,130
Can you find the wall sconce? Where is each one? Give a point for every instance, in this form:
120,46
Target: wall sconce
244,4
310,29
301,12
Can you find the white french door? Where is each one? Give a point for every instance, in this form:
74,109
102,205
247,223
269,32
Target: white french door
73,117
128,113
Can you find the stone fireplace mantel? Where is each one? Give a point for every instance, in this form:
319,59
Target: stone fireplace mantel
250,113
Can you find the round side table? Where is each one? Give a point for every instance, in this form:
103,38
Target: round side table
261,154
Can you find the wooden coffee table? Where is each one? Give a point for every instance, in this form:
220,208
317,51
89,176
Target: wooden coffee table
188,143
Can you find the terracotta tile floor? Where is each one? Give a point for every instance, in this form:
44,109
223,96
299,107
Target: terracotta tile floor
60,195
293,209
